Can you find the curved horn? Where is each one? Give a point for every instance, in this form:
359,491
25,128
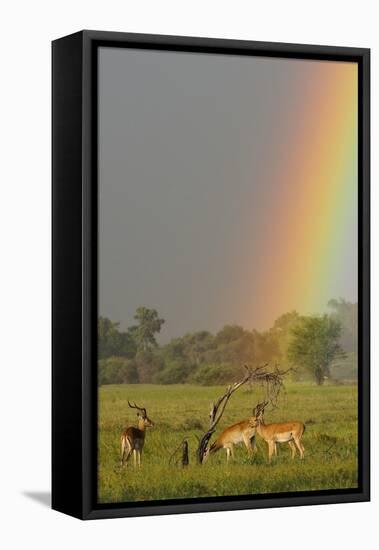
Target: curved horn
135,406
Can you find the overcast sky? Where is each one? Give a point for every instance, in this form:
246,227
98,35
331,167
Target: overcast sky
183,140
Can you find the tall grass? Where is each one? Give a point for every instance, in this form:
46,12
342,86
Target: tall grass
330,440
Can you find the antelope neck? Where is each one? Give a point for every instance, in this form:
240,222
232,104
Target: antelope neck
141,425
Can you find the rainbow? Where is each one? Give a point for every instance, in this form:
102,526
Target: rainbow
309,237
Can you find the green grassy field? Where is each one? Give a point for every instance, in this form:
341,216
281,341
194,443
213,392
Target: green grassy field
330,441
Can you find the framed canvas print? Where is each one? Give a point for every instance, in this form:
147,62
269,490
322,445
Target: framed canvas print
210,275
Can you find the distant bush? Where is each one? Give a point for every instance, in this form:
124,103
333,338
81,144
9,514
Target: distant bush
117,370
345,368
112,342
323,348
213,374
174,372
149,364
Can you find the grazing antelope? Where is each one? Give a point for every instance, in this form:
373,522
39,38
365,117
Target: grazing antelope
133,439
279,432
242,432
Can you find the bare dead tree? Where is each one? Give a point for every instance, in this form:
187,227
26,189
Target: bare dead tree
184,457
185,454
271,380
260,408
216,413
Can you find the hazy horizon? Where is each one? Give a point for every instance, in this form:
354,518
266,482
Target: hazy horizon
163,339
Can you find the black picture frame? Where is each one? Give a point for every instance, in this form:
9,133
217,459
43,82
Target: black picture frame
74,272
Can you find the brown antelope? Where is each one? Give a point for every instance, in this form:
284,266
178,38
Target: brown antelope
242,432
279,432
133,439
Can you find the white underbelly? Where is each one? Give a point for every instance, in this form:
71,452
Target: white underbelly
284,437
236,439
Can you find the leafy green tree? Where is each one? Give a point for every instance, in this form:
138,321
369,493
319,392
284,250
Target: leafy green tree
347,314
112,342
208,374
149,365
117,370
266,347
315,344
281,333
174,350
174,372
148,325
232,345
196,345
229,334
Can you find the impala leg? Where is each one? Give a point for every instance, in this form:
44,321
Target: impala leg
135,458
125,452
122,451
139,459
232,451
293,449
248,446
128,455
299,445
271,448
227,454
302,447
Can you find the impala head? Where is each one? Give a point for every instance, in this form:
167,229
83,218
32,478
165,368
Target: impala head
142,415
207,452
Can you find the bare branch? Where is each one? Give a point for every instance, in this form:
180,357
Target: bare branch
273,382
217,411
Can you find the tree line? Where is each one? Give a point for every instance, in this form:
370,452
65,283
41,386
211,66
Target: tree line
317,346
